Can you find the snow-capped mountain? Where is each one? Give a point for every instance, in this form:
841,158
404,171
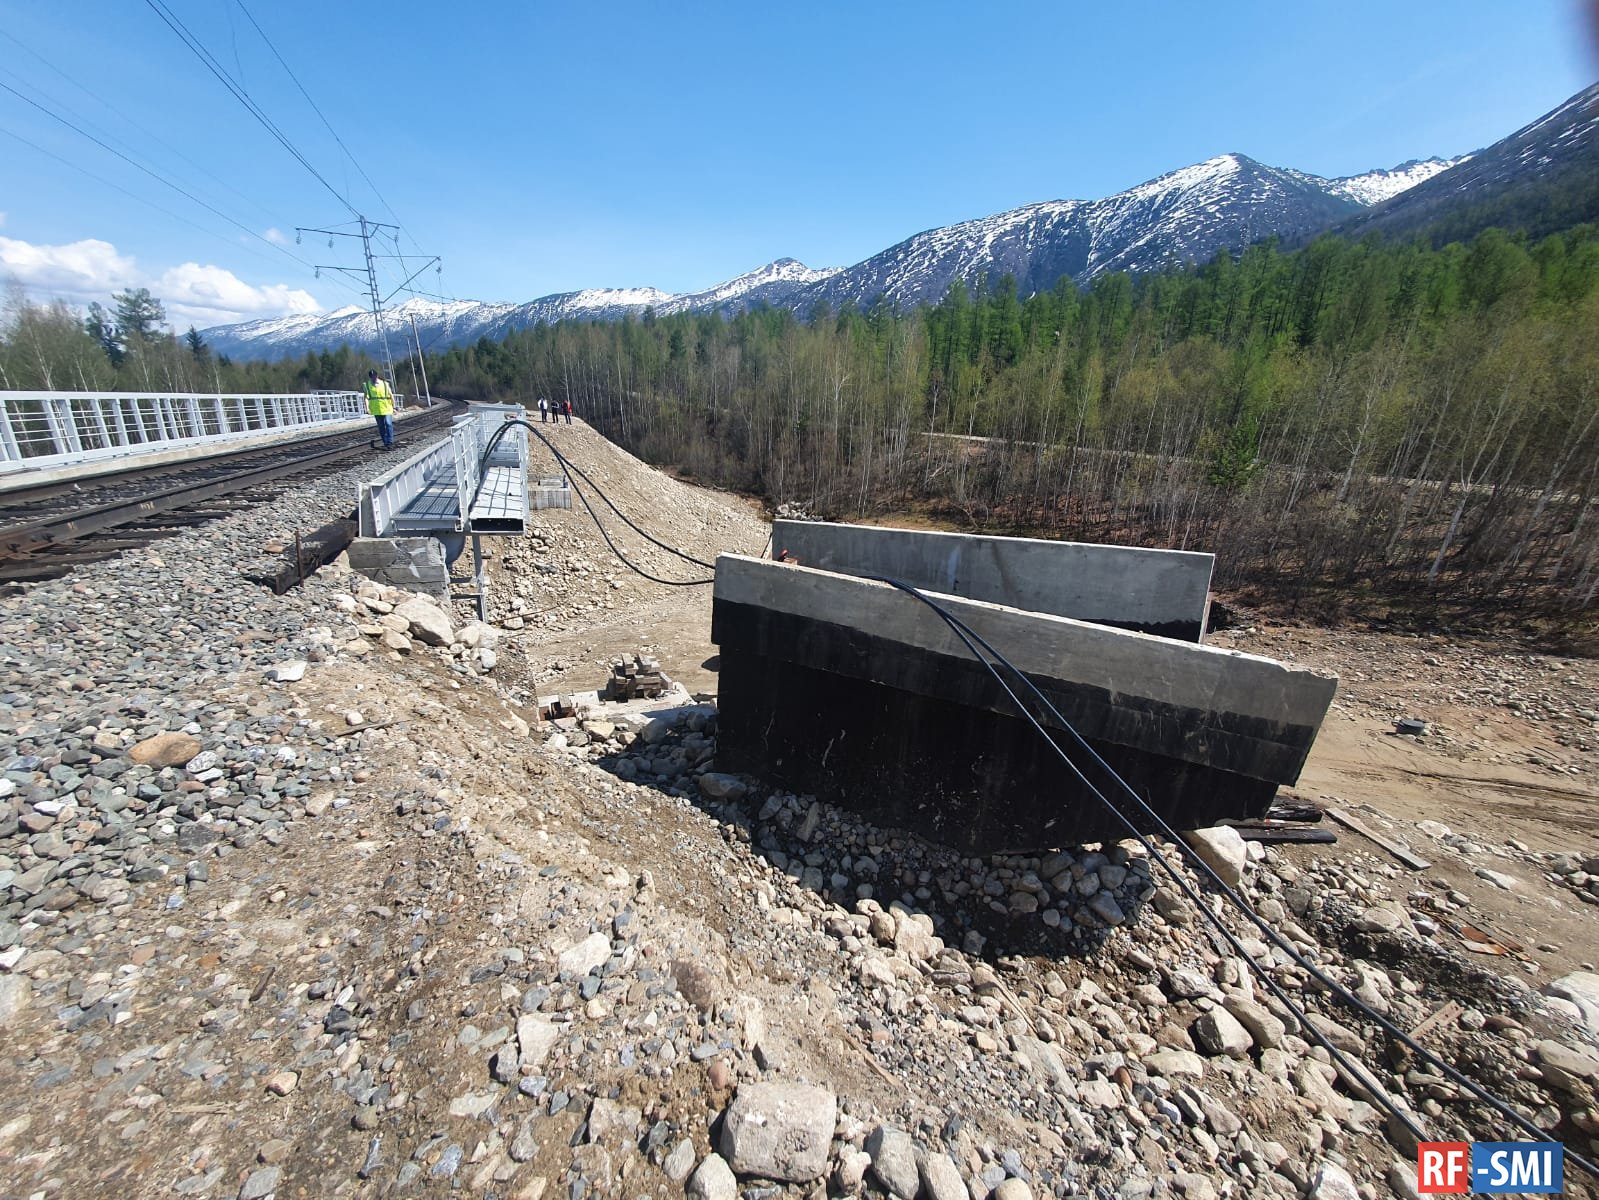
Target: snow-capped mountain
1183,216
774,284
1542,178
1376,186
1186,215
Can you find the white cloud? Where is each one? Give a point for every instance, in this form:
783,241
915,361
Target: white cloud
207,295
90,270
274,235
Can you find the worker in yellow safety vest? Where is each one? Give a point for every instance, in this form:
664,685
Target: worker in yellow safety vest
380,403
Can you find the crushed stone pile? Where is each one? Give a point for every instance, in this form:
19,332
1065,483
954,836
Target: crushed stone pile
295,901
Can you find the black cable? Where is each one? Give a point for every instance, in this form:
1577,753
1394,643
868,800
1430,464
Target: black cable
1359,1074
494,441
209,62
961,631
381,198
572,468
1335,988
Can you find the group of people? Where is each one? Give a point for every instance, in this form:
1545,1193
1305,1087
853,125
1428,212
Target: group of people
380,403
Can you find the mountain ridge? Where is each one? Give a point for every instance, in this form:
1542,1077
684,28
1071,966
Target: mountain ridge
1187,214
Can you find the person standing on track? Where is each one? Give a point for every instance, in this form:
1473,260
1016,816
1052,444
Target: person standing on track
566,406
380,403
544,411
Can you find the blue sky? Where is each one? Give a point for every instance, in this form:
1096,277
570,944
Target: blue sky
542,148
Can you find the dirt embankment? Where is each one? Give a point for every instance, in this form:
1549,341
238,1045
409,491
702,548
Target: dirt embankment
386,940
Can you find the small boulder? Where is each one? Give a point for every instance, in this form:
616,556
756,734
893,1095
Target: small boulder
894,1161
1580,988
1223,849
1332,1182
1263,1025
426,621
15,995
716,786
712,1180
941,1179
536,1036
165,750
780,1131
1219,1032
593,951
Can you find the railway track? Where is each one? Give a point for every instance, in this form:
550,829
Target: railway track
47,530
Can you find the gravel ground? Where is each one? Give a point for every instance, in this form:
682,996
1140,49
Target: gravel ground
299,900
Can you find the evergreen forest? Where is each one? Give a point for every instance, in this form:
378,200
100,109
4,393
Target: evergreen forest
1350,425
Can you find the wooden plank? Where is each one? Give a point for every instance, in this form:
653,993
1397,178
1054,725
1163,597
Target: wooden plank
1448,1012
1414,862
1286,833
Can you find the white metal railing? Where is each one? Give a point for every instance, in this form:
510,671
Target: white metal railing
434,489
381,501
46,429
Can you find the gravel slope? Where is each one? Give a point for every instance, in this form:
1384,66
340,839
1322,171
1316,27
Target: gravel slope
367,933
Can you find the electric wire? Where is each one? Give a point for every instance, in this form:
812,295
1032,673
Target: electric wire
1359,1076
1349,999
145,200
157,176
572,468
207,59
494,440
124,116
314,108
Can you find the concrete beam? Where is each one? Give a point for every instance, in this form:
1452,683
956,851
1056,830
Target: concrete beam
1164,592
854,690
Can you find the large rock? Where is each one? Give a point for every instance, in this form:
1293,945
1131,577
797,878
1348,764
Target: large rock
1223,849
593,951
166,750
712,1180
913,934
1263,1025
1219,1032
780,1131
1568,1069
426,621
15,993
1582,989
609,1119
714,785
536,1035
1332,1182
941,1178
894,1161
1175,1064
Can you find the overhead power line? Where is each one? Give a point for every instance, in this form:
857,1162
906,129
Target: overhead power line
145,200
184,35
123,115
153,174
316,109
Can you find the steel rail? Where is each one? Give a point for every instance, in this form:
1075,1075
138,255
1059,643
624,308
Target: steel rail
37,541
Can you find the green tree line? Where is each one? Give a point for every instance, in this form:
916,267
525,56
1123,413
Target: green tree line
126,348
1350,418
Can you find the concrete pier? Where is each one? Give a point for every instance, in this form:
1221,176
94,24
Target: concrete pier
857,692
1164,592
